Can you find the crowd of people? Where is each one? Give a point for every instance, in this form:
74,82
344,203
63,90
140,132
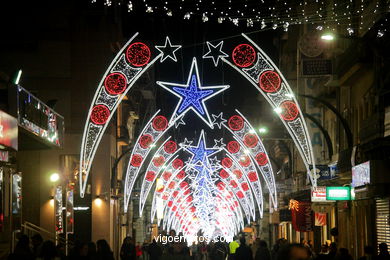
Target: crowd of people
238,249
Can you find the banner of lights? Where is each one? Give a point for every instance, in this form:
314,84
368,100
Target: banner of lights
198,187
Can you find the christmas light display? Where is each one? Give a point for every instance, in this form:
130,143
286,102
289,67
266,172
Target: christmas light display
212,187
192,96
168,50
215,52
280,98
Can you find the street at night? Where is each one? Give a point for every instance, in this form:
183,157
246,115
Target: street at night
195,130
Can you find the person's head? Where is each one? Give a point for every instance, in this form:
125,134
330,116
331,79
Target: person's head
48,250
333,247
83,251
91,248
23,242
383,248
368,250
262,243
242,241
293,252
324,248
127,240
36,240
102,246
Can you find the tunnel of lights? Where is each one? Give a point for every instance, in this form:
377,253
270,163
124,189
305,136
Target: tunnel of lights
197,185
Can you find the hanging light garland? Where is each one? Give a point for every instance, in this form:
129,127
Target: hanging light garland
351,15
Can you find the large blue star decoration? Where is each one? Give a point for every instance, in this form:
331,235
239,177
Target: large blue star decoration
200,152
192,96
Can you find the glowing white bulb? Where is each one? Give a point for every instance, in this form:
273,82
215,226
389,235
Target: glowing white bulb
54,177
278,110
327,37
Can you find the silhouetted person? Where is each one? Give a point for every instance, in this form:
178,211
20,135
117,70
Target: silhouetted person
262,252
48,251
36,241
343,254
103,250
80,251
92,251
332,251
219,251
293,252
22,250
154,250
383,252
243,252
369,253
128,249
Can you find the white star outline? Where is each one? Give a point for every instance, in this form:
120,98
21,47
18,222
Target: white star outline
218,120
219,143
201,137
218,89
220,56
164,56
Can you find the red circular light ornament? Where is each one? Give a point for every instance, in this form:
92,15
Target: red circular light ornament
175,193
261,159
172,185
158,161
115,83
245,161
183,184
145,141
100,114
289,110
245,186
136,160
221,185
236,123
250,140
252,176
177,163
181,175
233,147
240,194
233,183
238,174
170,203
244,55
167,175
138,54
170,147
150,176
224,174
270,81
160,123
227,162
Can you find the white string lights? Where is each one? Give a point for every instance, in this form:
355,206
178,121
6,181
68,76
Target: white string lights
276,14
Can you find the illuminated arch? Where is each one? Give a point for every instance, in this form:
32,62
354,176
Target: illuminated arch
251,62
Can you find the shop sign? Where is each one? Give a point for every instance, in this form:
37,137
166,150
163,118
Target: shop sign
8,131
319,219
301,215
323,172
39,119
338,193
361,174
318,194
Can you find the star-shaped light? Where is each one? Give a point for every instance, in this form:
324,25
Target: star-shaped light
214,161
192,95
215,52
200,151
186,142
168,50
218,120
179,121
219,143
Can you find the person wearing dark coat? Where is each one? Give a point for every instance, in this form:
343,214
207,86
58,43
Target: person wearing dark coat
128,249
243,252
383,252
154,250
103,251
22,250
262,252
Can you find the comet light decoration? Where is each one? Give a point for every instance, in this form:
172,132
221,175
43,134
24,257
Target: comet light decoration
197,185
